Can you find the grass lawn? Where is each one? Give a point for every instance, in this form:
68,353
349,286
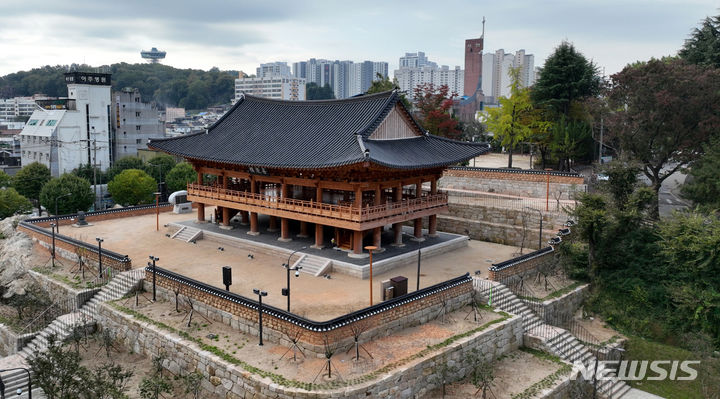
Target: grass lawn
641,349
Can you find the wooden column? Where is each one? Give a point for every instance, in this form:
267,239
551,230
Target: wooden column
397,227
303,229
358,198
357,242
319,195
201,206
318,236
245,218
418,222
377,238
273,225
284,230
225,210
253,215
432,222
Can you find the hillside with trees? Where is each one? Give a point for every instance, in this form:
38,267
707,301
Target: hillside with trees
163,84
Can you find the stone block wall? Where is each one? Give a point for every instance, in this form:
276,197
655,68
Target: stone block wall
512,182
59,291
245,319
222,379
70,251
11,342
567,304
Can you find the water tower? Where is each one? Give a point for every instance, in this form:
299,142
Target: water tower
153,56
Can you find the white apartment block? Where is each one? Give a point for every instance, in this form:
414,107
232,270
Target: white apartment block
416,70
495,73
273,68
66,133
275,87
11,108
346,78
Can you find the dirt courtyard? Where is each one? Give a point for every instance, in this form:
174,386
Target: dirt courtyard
317,298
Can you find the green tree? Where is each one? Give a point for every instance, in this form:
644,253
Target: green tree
665,111
124,164
566,77
315,92
433,105
159,166
704,186
58,372
89,173
703,46
514,121
571,140
107,381
5,179
80,196
30,180
383,83
132,187
11,203
179,176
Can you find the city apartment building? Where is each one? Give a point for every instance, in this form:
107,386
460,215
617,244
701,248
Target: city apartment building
272,86
416,70
346,78
135,122
495,69
16,107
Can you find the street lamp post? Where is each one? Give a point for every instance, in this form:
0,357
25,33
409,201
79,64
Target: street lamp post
288,269
371,248
157,210
260,295
57,220
19,391
99,241
153,259
52,227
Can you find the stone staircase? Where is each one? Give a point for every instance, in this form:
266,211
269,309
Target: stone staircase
314,265
64,326
17,380
187,234
557,340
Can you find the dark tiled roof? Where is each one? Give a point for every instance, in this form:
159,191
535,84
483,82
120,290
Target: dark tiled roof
314,134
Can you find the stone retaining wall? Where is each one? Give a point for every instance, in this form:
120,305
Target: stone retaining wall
567,304
70,251
245,318
222,379
59,291
525,185
11,342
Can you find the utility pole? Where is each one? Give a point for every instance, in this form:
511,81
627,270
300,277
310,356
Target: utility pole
94,166
602,126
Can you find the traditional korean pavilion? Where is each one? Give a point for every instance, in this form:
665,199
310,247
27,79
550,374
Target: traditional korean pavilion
355,165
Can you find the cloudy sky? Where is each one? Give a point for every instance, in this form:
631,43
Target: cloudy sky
240,34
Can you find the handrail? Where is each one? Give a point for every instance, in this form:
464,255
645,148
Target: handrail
319,326
362,214
59,237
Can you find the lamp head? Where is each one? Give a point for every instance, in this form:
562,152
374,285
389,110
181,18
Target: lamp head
99,239
263,293
256,291
297,273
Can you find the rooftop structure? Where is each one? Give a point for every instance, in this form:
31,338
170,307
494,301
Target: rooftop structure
153,56
354,165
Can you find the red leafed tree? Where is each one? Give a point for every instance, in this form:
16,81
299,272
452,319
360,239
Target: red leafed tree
433,106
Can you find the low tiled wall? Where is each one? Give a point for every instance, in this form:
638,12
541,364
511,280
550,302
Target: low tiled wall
526,183
66,220
521,266
244,317
222,379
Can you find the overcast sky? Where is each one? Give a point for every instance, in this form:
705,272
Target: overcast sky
240,34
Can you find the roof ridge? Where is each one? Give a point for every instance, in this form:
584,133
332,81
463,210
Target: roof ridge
316,102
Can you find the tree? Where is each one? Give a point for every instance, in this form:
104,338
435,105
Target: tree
159,166
58,371
383,83
89,173
315,92
179,176
514,120
5,179
11,203
566,77
132,187
108,381
80,199
153,386
433,105
30,179
704,187
124,164
666,110
570,141
703,46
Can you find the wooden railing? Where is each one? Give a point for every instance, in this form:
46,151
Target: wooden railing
344,212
